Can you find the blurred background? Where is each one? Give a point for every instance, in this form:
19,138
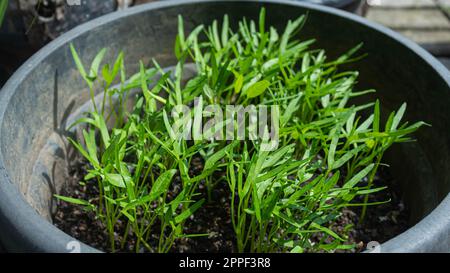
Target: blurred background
30,24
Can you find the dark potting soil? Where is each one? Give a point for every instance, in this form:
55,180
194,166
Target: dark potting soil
381,223
212,218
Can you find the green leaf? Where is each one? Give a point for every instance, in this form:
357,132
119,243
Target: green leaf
327,231
181,33
291,28
144,85
198,118
96,64
330,183
188,212
239,82
334,142
408,130
262,20
100,123
193,37
350,53
291,109
277,157
336,245
215,35
78,62
347,156
358,177
376,117
365,125
297,249
398,117
3,8
370,143
159,85
225,29
212,160
117,65
256,201
91,145
72,200
83,152
107,75
115,179
178,50
178,200
162,184
257,88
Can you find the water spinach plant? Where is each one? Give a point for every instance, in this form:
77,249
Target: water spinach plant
281,200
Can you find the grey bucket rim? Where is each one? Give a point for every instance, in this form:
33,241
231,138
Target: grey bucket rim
39,232
331,3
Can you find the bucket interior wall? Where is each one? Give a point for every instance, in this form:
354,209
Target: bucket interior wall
37,110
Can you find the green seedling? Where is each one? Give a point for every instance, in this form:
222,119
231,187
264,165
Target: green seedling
328,152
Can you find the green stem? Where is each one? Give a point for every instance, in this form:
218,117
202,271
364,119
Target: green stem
366,197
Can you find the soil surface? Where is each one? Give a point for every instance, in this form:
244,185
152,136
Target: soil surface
381,223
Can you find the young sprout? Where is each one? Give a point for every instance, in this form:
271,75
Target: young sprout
279,199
